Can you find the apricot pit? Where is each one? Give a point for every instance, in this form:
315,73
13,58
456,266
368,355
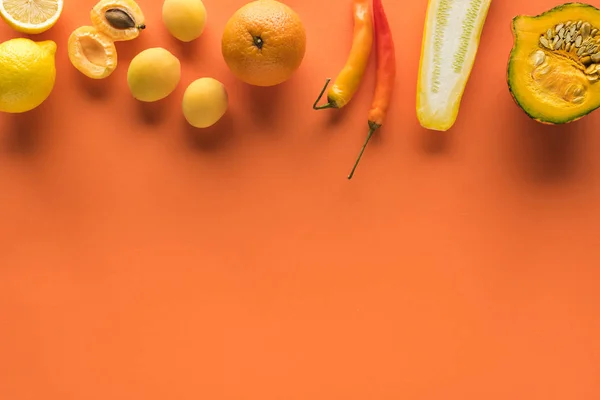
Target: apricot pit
92,52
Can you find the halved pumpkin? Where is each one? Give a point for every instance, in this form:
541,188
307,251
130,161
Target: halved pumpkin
554,65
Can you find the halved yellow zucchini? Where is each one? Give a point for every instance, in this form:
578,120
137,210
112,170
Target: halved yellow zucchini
450,42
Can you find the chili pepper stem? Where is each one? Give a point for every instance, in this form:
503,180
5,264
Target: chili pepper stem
324,106
372,128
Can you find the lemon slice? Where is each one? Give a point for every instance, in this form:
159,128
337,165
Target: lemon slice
31,16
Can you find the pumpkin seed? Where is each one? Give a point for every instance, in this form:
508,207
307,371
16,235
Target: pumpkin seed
594,32
119,19
578,41
550,33
568,47
559,27
579,23
592,78
586,28
538,58
595,57
561,32
586,60
580,51
544,42
568,38
578,100
568,23
590,69
555,41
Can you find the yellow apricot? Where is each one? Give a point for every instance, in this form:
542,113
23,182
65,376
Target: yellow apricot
205,101
153,74
184,19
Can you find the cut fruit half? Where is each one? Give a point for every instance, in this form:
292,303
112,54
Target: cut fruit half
554,65
450,42
31,16
120,20
92,52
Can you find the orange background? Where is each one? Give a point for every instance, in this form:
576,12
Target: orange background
141,259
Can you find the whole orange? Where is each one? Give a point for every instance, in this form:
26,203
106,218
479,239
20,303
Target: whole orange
264,43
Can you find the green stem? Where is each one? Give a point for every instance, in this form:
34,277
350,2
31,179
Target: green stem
327,105
372,128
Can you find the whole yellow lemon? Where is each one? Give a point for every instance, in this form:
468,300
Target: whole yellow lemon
184,19
153,74
204,102
27,74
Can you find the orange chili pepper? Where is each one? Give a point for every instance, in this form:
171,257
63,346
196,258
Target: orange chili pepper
349,78
386,75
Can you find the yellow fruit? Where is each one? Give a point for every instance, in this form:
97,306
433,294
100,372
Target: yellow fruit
264,43
92,52
31,16
204,102
153,74
27,74
184,19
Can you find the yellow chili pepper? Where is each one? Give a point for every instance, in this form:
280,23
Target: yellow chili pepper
349,78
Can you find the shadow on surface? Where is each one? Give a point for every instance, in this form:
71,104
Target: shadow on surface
96,88
547,153
265,103
337,115
195,50
435,142
539,152
185,50
153,113
128,49
23,132
211,138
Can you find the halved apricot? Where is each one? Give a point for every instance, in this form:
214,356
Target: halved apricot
118,19
92,52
